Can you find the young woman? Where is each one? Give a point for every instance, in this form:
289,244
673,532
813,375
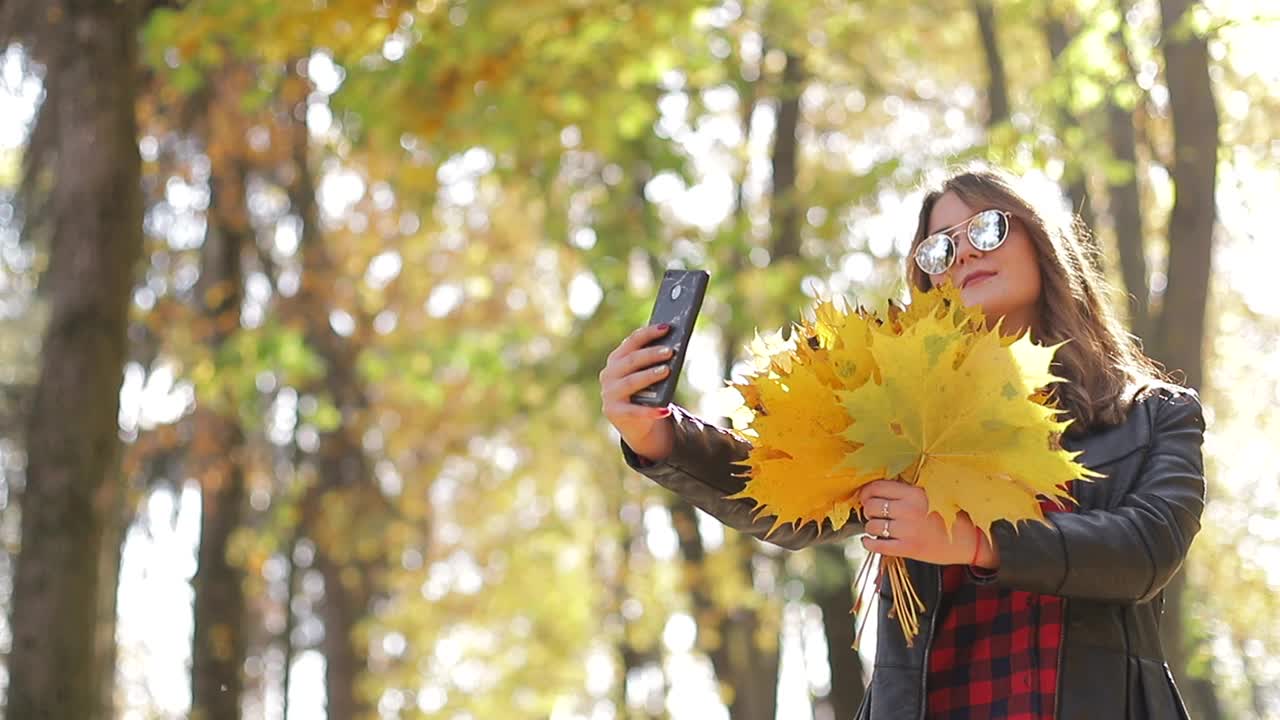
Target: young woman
1041,622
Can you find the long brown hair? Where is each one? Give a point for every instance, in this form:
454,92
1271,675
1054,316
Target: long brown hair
1102,363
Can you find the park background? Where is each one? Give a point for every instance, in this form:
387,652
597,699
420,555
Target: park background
303,302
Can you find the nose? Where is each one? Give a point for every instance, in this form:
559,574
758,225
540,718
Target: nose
964,249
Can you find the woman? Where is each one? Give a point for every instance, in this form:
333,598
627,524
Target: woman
1039,622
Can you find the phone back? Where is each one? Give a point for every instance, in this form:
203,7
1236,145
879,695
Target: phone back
678,302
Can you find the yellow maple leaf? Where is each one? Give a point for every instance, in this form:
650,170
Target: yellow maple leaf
794,468
955,412
771,353
941,302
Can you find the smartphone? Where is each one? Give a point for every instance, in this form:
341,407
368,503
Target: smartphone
678,302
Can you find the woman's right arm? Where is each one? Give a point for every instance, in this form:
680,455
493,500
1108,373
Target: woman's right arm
694,459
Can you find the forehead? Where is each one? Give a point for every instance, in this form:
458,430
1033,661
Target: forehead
948,210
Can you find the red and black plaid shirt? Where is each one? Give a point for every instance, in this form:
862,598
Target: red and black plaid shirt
995,651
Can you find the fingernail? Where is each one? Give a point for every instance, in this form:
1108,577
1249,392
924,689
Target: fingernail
663,412
664,326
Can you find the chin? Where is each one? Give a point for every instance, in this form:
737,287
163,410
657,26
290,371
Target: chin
982,296
991,303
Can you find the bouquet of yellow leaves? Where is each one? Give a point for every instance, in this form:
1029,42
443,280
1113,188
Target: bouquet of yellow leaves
926,395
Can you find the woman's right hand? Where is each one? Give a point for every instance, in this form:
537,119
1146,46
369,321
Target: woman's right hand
632,367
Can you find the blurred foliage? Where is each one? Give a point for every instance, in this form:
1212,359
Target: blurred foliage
499,184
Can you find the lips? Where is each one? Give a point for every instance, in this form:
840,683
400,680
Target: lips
976,277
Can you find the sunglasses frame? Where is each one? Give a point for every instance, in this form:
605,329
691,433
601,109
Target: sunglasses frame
968,225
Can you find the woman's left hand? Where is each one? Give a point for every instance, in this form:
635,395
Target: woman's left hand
916,533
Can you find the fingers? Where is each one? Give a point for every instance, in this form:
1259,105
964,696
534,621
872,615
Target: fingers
641,358
625,411
901,540
877,507
638,381
903,500
891,547
616,396
926,539
897,529
638,339
632,367
630,355
886,490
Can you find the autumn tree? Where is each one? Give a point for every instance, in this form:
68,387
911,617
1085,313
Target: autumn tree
83,199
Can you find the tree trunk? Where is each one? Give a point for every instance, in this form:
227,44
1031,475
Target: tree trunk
346,661
784,209
997,85
617,577
1125,198
1179,336
846,671
287,649
1179,332
751,643
746,672
110,550
342,503
834,595
72,483
1126,216
220,641
1059,36
753,660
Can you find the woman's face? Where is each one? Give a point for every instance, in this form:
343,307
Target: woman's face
1004,282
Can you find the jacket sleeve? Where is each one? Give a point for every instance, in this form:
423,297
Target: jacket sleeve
1130,552
701,469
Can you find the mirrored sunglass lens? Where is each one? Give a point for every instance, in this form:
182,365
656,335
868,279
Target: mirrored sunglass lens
988,229
935,254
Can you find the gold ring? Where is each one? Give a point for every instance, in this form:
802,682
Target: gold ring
884,532
885,512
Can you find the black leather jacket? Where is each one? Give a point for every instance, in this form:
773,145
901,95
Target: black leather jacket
1110,559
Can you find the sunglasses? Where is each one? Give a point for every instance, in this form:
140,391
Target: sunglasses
987,231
